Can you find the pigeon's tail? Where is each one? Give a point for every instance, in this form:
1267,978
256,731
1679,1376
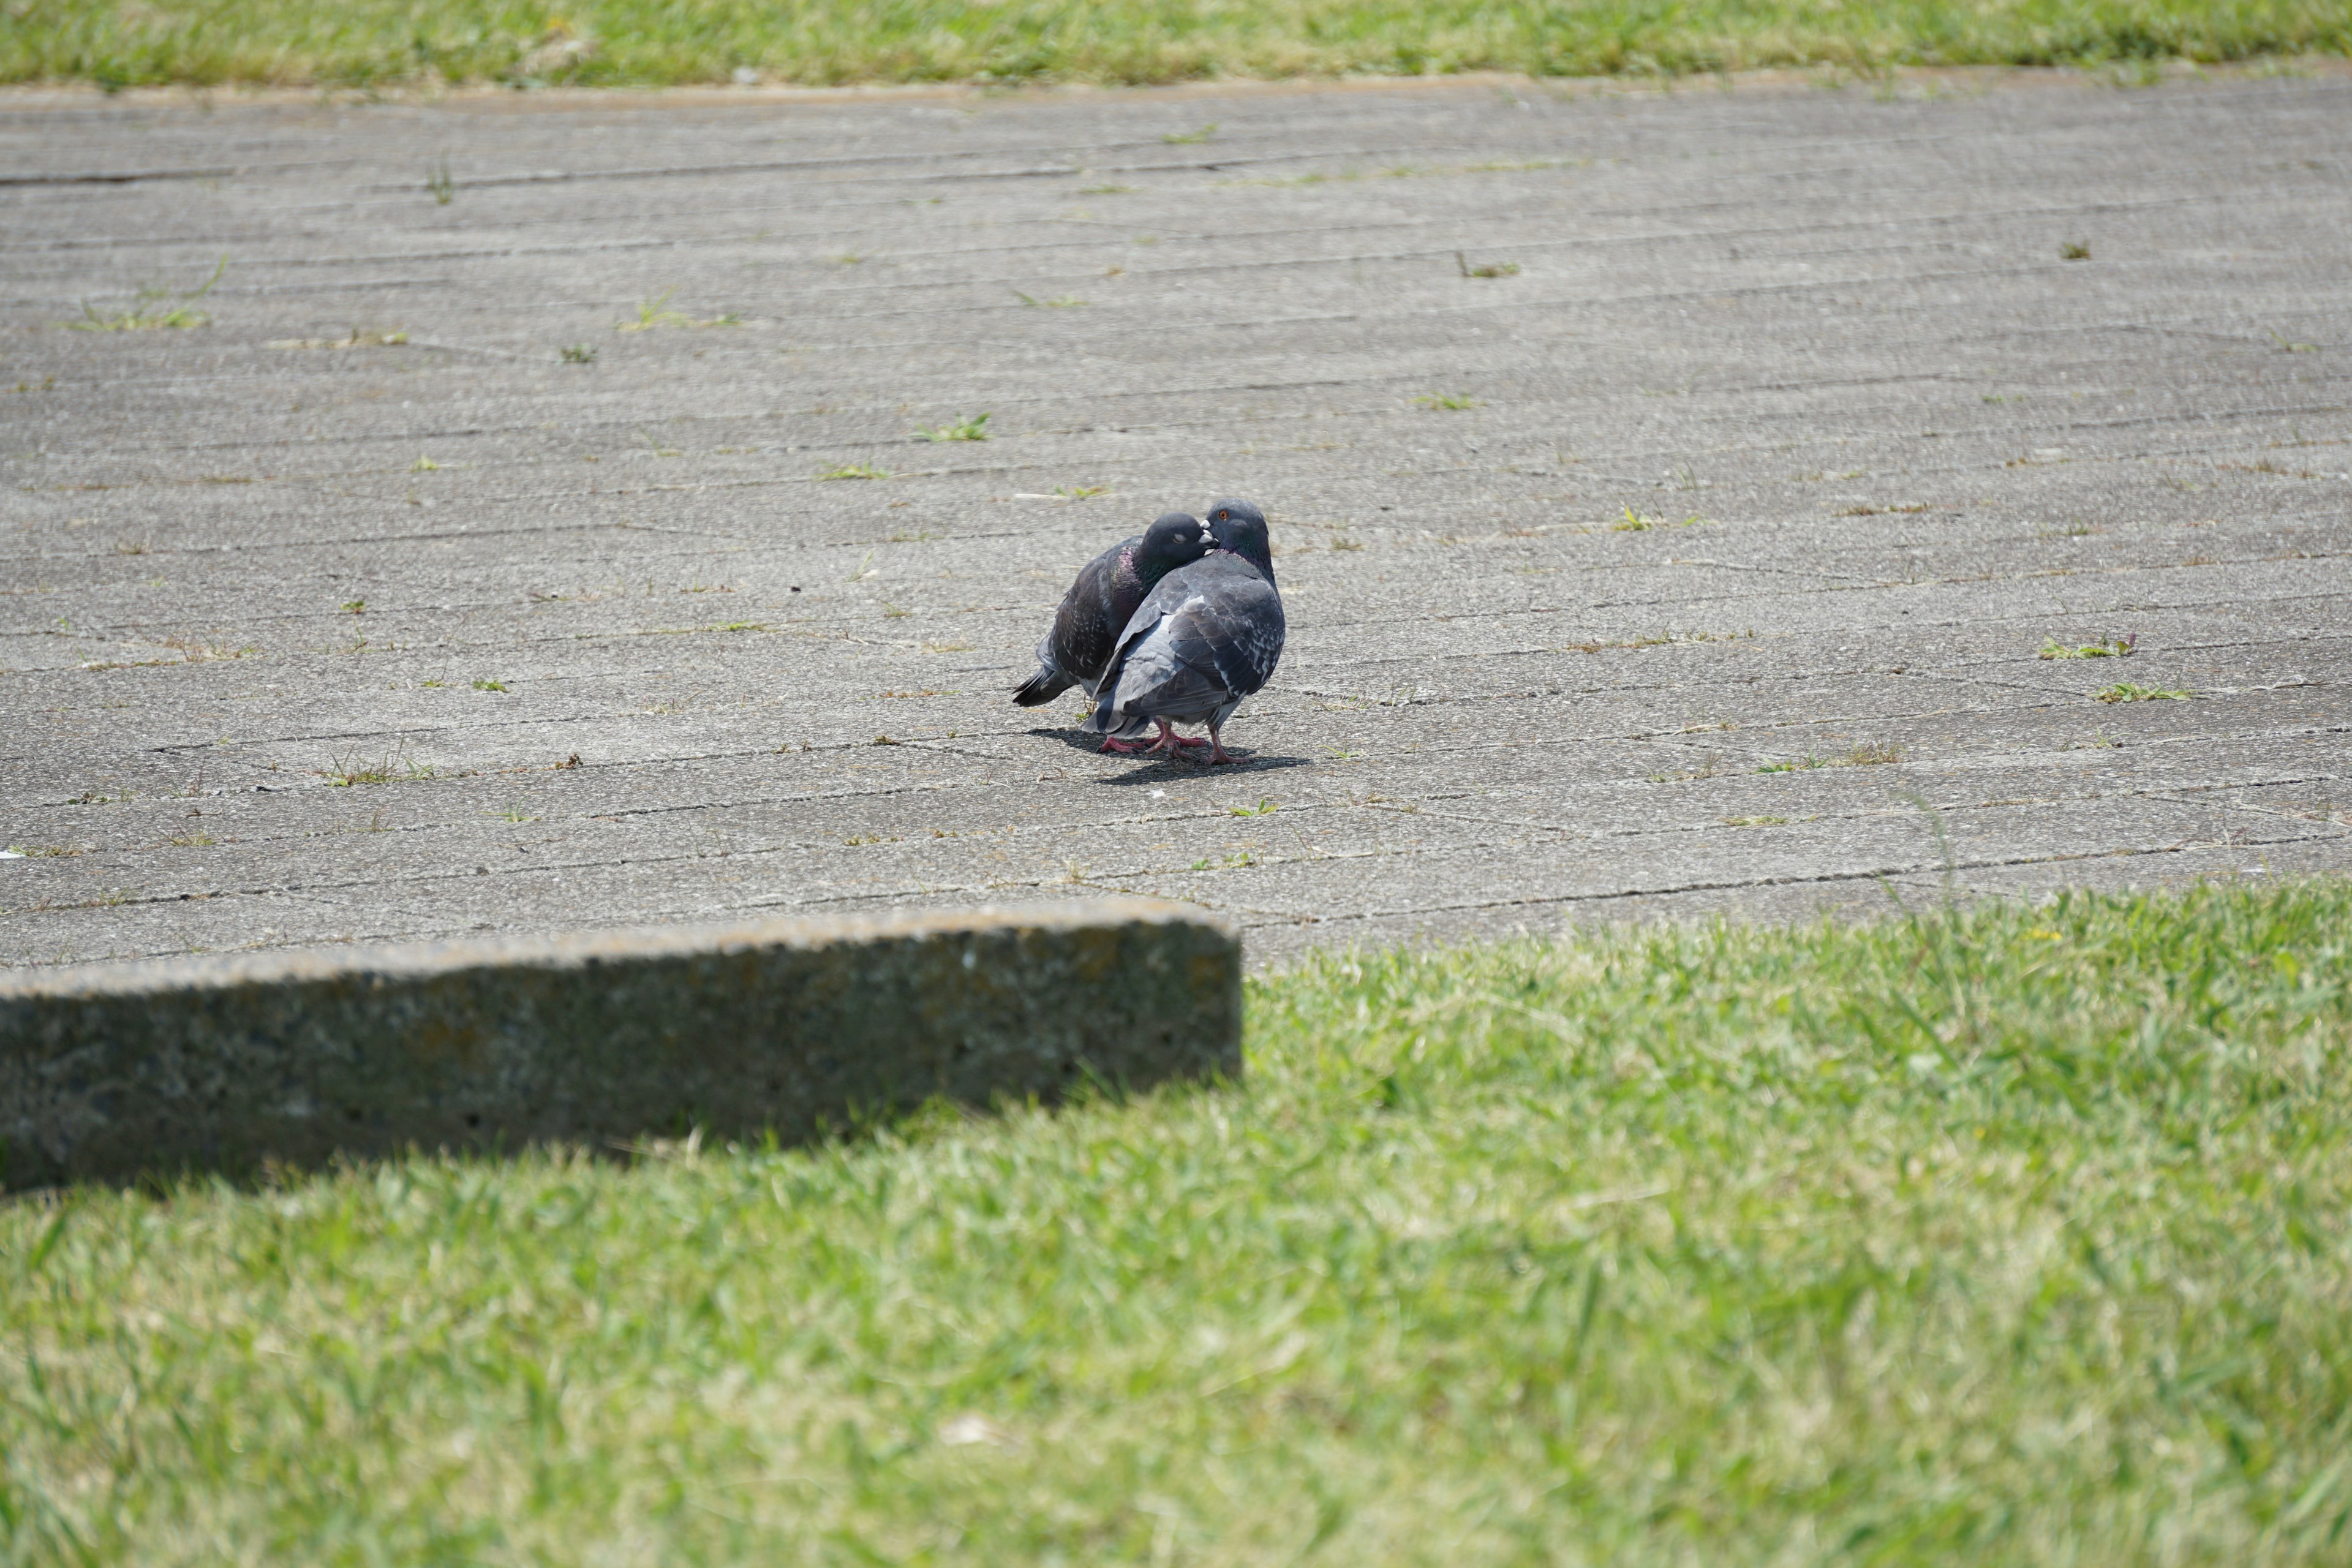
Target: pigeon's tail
1107,719
1042,688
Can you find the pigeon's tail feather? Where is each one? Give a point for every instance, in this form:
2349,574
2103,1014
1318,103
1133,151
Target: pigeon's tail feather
1107,719
1042,688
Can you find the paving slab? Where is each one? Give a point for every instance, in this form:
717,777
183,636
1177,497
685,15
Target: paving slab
1791,433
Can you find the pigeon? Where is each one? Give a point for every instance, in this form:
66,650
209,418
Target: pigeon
1206,638
1085,628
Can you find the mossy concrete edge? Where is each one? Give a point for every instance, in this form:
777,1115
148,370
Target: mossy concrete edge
796,1028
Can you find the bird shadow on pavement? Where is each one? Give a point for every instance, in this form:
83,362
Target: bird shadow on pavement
1159,770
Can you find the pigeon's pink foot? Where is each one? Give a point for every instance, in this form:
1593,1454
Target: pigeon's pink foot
1113,744
1171,741
1217,752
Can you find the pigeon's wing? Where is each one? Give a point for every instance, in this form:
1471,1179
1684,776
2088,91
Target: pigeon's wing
1084,632
1146,639
1080,641
1241,628
1207,636
1170,668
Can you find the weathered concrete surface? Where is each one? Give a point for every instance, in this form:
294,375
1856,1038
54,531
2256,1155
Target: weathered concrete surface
1835,325
107,1071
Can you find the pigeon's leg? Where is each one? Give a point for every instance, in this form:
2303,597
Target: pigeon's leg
1171,741
1217,752
1113,744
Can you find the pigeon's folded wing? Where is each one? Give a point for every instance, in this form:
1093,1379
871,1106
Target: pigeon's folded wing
1242,629
1171,667
1207,636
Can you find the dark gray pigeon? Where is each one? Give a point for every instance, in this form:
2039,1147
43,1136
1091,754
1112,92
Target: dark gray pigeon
1078,648
1206,638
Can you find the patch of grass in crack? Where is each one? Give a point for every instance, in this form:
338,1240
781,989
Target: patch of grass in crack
2131,691
356,768
149,314
1867,754
973,427
655,313
2105,648
1485,268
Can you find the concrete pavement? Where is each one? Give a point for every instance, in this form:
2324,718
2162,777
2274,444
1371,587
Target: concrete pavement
1700,558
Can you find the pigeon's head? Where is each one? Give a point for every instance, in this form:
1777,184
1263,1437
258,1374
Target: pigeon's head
1239,527
1174,539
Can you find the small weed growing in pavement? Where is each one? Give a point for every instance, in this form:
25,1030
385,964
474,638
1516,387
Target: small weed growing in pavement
439,183
354,768
855,471
1446,400
1263,809
1866,755
2128,691
357,338
1190,137
580,354
654,312
1635,523
423,465
354,606
974,428
1081,492
2288,345
1059,302
489,686
178,317
1485,269
2074,250
2105,648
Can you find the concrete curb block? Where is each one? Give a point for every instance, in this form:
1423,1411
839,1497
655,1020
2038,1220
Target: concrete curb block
110,1071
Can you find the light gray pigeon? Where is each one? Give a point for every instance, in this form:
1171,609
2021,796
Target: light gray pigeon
1079,645
1207,636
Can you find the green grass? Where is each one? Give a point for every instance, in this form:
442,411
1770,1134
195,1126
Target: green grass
120,43
2016,1237
971,427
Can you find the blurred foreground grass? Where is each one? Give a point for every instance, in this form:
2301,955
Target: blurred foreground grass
120,43
2020,1235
